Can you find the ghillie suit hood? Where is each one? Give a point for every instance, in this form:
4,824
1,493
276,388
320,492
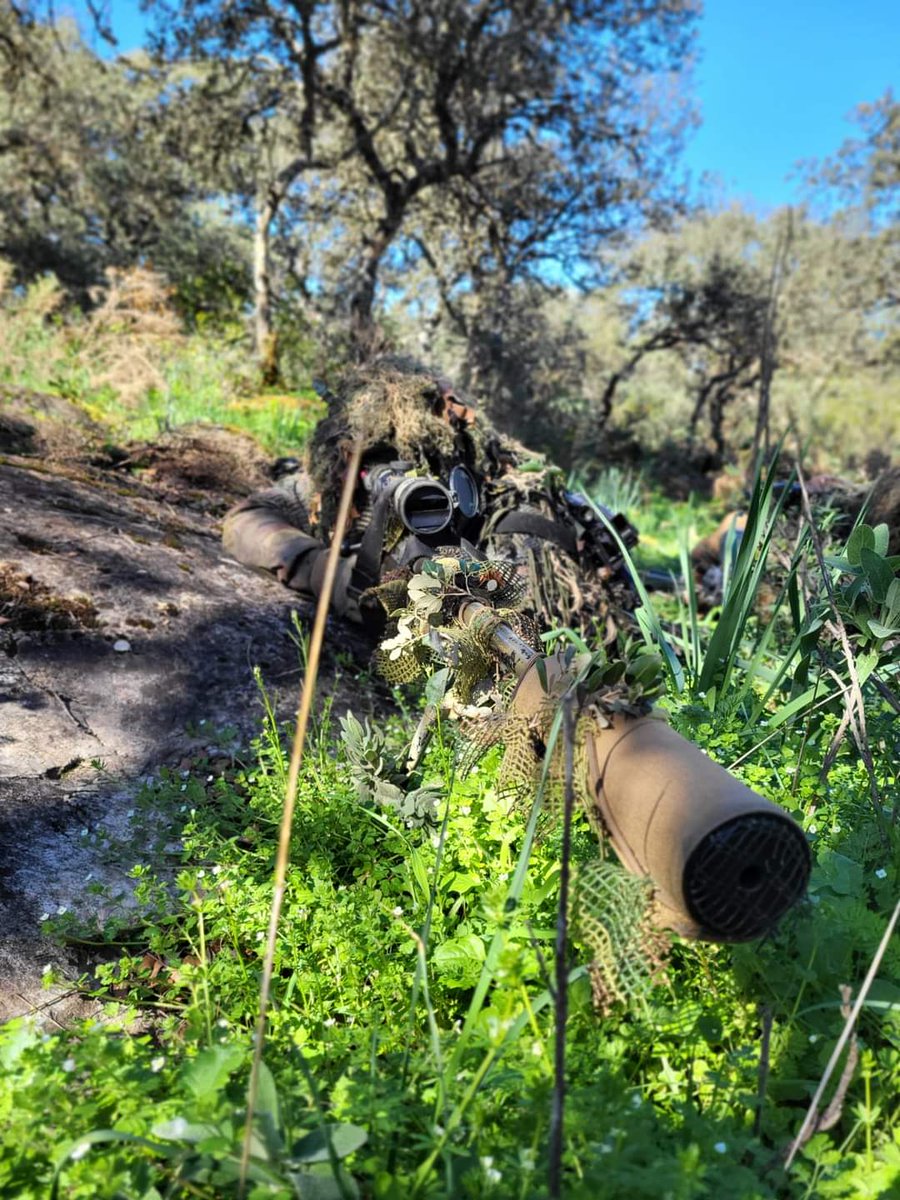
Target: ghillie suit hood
394,408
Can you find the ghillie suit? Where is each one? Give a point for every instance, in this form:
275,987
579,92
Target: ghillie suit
463,548
413,429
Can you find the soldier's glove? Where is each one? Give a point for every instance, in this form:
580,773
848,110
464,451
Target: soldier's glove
306,573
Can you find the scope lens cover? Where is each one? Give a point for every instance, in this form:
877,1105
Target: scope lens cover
464,489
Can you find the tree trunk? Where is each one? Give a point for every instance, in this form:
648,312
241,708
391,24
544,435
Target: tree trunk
769,346
264,337
364,335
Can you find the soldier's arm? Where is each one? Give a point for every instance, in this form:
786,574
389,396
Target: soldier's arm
270,530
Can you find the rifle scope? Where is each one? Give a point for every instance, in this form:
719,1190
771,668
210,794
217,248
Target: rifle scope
425,506
726,863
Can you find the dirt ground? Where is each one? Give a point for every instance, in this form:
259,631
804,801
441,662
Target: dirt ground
127,642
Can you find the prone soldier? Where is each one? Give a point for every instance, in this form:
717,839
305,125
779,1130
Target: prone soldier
432,475
470,545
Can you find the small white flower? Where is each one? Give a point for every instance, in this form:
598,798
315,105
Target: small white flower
328,1022
487,1162
178,1127
492,1175
79,1151
813,829
47,968
185,774
720,1147
200,873
813,1037
503,876
465,810
84,832
217,870
260,935
157,1064
61,911
130,813
636,1100
222,1023
605,1148
537,1049
44,917
881,873
68,1065
89,877
184,789
209,778
397,912
436,840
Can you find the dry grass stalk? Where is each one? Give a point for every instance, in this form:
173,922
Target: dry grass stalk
129,334
287,816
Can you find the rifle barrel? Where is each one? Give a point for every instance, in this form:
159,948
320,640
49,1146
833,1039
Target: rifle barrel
505,640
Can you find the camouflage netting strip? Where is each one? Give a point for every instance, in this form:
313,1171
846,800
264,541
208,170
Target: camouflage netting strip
612,915
424,629
560,591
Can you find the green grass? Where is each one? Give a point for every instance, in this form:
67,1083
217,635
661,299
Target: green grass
662,1098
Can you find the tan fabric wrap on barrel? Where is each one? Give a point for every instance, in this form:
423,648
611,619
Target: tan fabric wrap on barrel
662,799
660,796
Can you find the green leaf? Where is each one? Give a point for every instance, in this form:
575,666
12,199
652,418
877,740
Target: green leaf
882,537
419,872
310,1186
878,573
267,1095
180,1129
838,872
892,603
16,1036
866,664
879,630
459,956
436,685
862,537
313,1146
211,1070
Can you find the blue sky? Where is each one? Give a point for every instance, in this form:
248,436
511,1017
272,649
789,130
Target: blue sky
775,82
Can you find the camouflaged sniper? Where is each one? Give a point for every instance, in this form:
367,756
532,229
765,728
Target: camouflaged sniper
410,421
464,546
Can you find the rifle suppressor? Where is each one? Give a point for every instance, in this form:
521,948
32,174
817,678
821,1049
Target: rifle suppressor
726,863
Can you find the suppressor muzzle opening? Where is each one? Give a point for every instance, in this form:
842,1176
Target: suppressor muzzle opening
743,876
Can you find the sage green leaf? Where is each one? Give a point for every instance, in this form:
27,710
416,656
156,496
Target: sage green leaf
313,1146
878,573
862,537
